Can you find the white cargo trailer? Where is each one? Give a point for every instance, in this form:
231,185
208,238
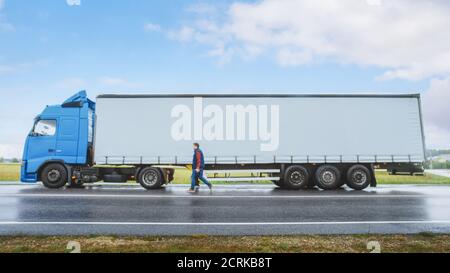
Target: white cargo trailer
296,141
263,132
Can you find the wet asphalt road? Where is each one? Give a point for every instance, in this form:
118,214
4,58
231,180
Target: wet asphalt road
229,210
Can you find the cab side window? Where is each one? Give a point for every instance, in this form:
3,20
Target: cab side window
45,128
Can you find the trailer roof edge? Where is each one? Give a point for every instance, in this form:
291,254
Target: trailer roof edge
124,96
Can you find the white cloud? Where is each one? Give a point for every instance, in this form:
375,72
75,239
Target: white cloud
209,33
150,27
436,104
202,8
287,57
118,82
184,34
374,2
73,2
73,83
436,137
19,67
4,25
112,81
4,69
409,39
11,150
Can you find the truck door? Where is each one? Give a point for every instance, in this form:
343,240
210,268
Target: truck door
42,140
67,142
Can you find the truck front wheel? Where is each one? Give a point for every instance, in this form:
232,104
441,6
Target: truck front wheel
358,177
328,177
54,176
150,178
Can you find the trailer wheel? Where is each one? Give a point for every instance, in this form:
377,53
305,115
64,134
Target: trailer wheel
296,177
358,177
328,177
150,178
54,176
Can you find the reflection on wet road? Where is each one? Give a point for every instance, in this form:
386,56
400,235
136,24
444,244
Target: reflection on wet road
229,210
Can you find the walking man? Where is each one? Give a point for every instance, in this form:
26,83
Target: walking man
198,166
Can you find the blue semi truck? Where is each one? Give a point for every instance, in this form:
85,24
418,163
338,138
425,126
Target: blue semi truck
295,141
62,136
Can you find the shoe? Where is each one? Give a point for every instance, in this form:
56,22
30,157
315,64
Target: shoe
197,189
210,187
191,191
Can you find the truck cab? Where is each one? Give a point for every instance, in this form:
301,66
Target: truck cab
61,136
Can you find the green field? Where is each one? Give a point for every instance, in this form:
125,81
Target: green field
384,178
421,243
11,172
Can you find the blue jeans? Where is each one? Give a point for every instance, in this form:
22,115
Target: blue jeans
199,176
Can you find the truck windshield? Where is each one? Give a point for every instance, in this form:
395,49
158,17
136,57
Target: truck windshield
44,128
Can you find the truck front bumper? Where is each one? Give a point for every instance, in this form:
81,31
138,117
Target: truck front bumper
27,177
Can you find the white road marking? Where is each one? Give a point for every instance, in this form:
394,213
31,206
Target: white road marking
38,195
415,222
444,173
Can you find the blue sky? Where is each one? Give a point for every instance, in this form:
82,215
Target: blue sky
49,49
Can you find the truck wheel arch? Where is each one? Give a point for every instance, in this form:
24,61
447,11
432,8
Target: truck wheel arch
48,162
56,175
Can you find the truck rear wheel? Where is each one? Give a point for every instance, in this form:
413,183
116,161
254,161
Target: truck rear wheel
54,176
358,177
150,178
296,177
328,177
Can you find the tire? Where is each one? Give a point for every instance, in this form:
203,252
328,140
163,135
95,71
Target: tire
328,177
150,178
296,177
358,177
54,176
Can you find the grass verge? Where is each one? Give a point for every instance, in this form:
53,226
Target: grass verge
9,172
384,178
230,244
